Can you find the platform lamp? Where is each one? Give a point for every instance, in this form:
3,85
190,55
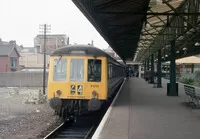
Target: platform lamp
185,50
197,44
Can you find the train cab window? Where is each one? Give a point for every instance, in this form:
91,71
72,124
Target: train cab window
60,70
77,70
94,70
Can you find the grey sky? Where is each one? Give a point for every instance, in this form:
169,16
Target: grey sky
20,21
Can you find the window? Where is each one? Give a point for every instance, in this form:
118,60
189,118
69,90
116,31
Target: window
109,71
94,70
115,70
77,70
60,70
13,63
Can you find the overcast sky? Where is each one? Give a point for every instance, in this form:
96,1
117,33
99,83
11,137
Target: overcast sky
20,21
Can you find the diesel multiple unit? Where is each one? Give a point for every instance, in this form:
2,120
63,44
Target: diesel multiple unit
82,78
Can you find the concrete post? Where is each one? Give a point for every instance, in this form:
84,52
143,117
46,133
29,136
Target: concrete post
139,70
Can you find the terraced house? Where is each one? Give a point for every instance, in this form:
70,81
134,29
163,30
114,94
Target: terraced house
9,57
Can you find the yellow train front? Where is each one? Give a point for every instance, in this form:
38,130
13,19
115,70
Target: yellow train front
82,78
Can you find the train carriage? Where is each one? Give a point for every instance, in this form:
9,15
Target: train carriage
82,78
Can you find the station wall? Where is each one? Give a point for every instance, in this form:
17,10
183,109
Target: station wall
22,79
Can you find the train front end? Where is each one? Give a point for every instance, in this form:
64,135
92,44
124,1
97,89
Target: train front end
77,83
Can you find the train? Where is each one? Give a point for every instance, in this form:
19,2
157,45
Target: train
81,79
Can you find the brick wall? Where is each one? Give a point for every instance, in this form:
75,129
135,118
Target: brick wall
4,64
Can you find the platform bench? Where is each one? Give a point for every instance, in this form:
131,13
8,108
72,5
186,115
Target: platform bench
191,96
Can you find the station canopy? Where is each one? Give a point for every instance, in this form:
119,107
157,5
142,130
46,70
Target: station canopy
136,29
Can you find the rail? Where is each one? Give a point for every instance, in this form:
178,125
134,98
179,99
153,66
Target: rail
64,131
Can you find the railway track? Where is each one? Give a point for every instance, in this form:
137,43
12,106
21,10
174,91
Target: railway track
71,132
83,128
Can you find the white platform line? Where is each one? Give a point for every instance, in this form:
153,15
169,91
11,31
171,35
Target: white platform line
105,118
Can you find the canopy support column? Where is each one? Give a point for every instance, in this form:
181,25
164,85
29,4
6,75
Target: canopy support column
152,69
172,86
159,71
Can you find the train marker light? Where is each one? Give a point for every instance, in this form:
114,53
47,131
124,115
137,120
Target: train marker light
58,92
94,94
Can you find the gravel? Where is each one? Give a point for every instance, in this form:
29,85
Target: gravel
21,120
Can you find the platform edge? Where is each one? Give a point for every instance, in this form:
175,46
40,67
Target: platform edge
105,118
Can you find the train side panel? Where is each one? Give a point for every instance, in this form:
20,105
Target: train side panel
115,76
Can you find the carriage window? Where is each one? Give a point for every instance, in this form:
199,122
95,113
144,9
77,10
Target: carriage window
77,70
94,70
60,70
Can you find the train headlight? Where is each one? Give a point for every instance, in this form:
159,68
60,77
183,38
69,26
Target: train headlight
58,92
94,94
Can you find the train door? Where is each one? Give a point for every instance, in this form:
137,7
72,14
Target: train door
77,77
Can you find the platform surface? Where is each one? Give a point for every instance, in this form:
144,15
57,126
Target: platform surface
144,112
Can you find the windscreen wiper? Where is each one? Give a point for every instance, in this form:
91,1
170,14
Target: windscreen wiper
58,60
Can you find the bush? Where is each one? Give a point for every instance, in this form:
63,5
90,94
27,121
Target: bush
187,80
197,75
197,84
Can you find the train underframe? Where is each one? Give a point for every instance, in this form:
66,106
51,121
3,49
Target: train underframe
70,109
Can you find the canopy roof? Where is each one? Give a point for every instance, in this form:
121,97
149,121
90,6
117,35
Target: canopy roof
188,60
136,29
116,22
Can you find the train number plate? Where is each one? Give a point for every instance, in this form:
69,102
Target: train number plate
73,89
80,89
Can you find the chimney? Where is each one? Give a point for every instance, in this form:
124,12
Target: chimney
12,42
21,46
67,40
92,43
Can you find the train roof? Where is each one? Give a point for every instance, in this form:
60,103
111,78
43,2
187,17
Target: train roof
82,50
79,50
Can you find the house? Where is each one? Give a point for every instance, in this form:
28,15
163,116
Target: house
53,42
9,58
32,60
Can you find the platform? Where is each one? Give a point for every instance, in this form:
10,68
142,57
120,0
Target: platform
144,112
